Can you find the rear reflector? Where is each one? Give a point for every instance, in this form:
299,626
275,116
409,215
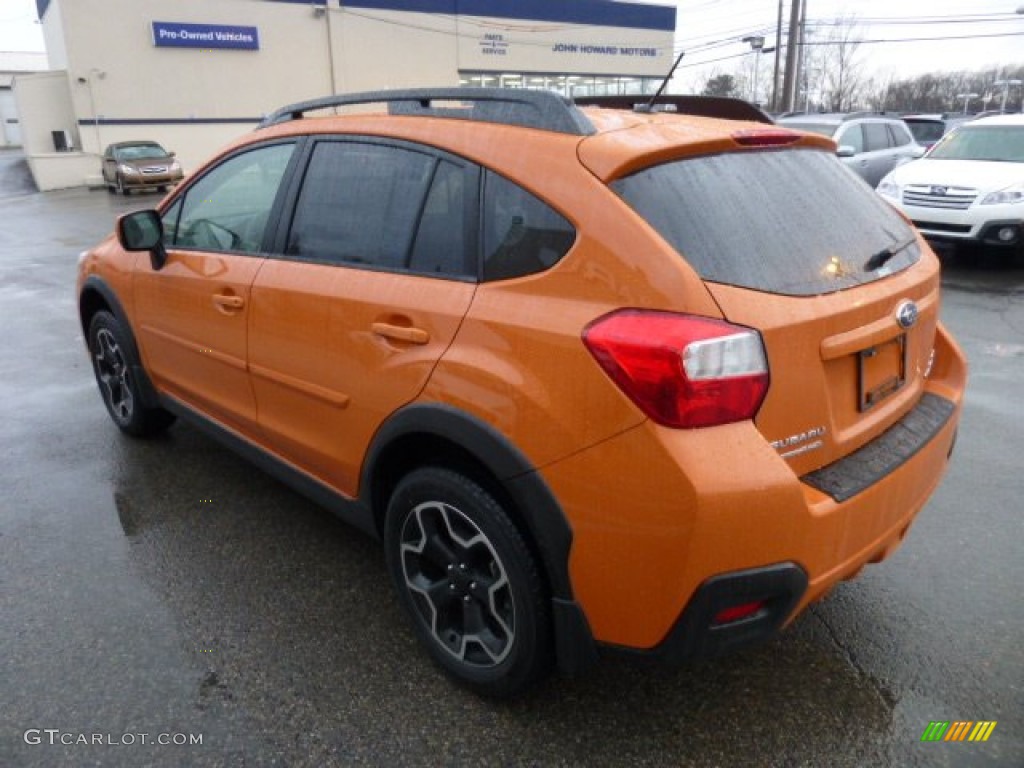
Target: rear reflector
738,612
682,370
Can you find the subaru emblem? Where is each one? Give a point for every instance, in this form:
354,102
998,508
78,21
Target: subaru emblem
906,314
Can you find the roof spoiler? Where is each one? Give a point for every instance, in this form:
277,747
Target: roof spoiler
702,106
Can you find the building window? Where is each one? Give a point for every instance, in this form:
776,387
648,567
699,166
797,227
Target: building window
567,85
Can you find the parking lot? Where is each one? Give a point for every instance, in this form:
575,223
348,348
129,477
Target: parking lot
170,588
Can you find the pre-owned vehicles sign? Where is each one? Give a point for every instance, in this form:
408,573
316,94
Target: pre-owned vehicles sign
176,34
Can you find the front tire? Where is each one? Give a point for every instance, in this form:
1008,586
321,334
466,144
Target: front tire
468,581
114,366
121,187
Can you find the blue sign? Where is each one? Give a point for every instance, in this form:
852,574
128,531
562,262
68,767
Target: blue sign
176,34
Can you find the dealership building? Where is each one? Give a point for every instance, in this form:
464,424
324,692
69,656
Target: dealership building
194,74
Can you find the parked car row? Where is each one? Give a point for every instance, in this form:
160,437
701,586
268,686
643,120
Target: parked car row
969,188
870,144
960,179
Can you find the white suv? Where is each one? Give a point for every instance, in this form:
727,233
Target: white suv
969,188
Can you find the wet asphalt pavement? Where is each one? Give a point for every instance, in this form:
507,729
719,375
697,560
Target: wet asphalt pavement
169,587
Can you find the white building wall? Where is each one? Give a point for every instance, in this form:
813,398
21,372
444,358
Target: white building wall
392,49
44,103
193,101
188,96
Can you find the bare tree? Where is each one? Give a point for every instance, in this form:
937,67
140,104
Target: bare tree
841,65
944,91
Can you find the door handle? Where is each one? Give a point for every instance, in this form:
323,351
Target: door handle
227,302
404,333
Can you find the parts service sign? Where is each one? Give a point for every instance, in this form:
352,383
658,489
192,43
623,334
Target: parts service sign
176,34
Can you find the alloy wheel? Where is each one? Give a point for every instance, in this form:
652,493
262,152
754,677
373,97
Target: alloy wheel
113,375
458,584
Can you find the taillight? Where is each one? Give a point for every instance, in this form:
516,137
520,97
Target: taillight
682,370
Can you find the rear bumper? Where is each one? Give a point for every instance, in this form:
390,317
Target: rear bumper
697,518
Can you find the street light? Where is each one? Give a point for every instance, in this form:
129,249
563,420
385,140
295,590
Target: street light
757,46
1006,88
967,99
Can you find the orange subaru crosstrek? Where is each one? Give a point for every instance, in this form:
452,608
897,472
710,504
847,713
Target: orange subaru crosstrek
596,377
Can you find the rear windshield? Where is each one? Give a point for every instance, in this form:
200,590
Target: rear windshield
793,222
926,132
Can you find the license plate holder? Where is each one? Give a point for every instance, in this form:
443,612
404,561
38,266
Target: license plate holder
881,371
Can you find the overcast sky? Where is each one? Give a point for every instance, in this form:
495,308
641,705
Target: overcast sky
979,33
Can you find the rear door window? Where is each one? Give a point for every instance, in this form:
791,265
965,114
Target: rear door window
876,136
360,204
791,222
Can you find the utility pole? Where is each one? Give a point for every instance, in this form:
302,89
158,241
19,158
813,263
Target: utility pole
778,53
790,80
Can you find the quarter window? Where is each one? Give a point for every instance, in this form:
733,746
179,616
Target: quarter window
522,234
899,136
360,204
228,208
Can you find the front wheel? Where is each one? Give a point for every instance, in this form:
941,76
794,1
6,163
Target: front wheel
467,579
121,187
114,366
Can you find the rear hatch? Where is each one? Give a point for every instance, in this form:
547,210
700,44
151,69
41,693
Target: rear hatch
842,290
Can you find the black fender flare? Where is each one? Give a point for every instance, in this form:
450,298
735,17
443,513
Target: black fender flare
94,283
534,502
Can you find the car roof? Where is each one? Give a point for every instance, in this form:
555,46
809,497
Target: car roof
610,142
817,118
1017,119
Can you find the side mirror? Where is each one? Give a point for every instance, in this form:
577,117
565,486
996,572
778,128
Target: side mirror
846,151
918,152
172,154
143,231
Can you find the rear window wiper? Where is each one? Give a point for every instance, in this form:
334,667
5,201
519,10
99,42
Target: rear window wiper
878,260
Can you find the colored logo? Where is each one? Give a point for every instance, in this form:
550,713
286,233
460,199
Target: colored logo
961,730
906,314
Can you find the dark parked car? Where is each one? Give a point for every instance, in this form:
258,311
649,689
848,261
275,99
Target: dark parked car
870,144
130,165
928,129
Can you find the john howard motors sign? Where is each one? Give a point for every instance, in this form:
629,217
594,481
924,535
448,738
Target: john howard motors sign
176,34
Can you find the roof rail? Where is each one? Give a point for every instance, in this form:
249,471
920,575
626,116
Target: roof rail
544,110
703,106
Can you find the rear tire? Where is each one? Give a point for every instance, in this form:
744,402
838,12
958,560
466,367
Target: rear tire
114,366
468,581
